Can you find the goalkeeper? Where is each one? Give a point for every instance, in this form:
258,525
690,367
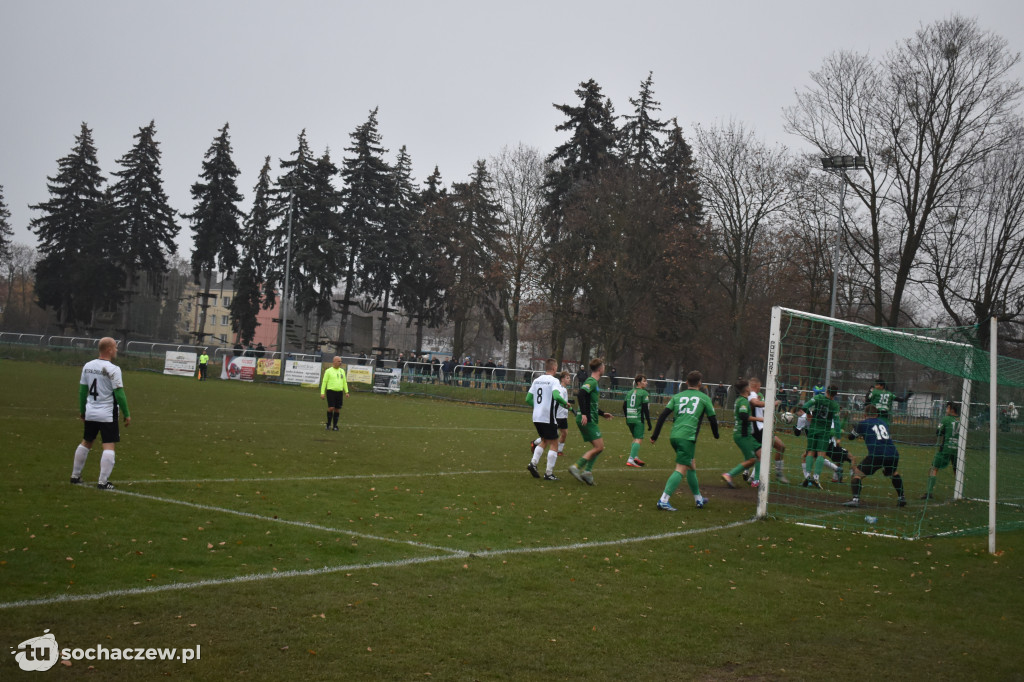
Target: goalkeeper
882,454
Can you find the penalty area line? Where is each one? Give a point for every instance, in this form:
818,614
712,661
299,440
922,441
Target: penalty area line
328,570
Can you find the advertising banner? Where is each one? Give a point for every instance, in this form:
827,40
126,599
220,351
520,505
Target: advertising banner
240,368
387,380
359,374
300,372
180,364
267,367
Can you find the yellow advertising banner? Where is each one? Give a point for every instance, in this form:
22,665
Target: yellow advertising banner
268,367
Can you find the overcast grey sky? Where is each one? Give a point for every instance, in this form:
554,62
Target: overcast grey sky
455,80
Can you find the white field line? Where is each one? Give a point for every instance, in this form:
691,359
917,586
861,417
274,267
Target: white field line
340,477
300,524
326,570
346,477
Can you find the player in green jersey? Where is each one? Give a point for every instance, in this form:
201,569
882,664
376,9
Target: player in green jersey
587,420
949,438
822,409
743,430
636,408
881,398
688,407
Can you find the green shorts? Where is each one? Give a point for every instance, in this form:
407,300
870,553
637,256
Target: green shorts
685,450
817,441
942,459
636,428
590,432
748,445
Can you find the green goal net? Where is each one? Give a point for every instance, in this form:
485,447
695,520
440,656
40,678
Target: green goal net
923,370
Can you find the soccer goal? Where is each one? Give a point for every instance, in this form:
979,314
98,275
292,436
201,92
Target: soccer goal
924,369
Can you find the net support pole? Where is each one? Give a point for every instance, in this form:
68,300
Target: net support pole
771,391
965,415
993,432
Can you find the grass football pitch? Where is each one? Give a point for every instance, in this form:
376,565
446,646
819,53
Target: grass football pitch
413,545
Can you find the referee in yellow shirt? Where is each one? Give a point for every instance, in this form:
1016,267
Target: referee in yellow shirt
333,387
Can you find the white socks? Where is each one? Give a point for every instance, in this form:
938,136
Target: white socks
81,453
106,465
552,458
537,452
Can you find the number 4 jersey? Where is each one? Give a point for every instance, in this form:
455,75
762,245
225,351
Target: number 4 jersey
100,378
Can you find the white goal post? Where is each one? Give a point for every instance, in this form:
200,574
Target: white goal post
772,389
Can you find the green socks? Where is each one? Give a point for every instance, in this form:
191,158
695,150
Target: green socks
673,482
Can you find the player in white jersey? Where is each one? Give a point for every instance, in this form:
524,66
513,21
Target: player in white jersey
561,414
757,402
545,395
100,399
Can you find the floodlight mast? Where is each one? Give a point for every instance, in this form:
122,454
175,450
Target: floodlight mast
287,274
838,165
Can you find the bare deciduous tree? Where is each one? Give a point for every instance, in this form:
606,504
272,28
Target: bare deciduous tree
745,187
975,256
518,183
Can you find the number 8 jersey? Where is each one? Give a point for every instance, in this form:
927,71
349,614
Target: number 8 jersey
100,378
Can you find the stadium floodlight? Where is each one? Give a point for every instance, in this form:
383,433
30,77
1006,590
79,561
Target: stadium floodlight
840,165
287,274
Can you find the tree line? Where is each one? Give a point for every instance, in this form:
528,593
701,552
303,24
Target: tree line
626,240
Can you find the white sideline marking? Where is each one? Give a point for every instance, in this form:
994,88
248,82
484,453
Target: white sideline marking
326,570
301,524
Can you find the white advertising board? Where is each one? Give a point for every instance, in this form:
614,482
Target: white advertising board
180,364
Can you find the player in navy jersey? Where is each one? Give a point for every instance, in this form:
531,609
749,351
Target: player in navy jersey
882,454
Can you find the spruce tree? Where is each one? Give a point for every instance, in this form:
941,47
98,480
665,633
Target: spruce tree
289,207
385,253
252,268
146,226
215,219
368,179
67,236
470,255
679,181
306,198
575,166
641,133
421,285
315,252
